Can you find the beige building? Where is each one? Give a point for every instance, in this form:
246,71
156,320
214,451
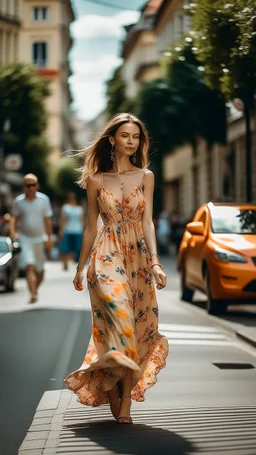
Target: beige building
45,41
141,62
170,24
10,22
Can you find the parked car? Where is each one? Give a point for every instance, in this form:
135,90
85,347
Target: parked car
8,263
217,255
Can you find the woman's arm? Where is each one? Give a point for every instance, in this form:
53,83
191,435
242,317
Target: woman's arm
90,230
149,230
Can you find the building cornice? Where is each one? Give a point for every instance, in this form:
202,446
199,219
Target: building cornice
10,19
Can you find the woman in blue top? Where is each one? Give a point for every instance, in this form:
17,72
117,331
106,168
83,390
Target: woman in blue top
71,229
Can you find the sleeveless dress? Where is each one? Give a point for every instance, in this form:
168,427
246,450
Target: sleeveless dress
124,306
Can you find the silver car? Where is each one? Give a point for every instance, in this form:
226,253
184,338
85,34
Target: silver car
8,263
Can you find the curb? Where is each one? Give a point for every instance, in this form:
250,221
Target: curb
43,435
240,330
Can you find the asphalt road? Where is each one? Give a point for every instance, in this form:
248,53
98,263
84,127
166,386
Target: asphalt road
40,344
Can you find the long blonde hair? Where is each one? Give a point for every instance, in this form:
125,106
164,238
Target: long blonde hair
97,154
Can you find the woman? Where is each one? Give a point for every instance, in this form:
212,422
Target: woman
71,229
126,351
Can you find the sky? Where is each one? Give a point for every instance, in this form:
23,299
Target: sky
98,33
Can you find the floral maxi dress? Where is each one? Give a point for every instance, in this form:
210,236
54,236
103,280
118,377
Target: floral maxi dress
124,306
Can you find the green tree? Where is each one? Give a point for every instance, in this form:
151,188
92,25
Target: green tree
225,40
22,95
117,100
179,109
63,177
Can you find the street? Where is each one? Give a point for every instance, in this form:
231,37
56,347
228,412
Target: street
208,366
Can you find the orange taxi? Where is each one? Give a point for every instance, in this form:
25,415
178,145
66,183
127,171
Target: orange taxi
217,255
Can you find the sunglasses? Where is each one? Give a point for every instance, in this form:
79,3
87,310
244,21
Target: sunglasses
30,185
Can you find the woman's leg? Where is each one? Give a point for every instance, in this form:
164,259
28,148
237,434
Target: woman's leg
114,401
124,414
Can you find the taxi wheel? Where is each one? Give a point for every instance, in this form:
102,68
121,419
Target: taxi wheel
186,293
213,306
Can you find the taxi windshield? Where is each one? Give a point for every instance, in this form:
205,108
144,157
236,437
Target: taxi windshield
232,220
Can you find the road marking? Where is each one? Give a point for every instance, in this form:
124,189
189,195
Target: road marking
196,335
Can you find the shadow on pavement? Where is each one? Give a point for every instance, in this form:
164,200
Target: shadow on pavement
136,439
236,313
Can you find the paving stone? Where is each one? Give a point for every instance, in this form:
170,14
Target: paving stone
30,452
54,434
44,413
56,426
50,443
57,418
36,444
31,435
49,451
50,400
42,420
39,427
60,410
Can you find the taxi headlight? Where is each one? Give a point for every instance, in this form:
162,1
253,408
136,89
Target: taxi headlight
228,256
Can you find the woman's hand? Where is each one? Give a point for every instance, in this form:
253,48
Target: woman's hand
159,276
78,280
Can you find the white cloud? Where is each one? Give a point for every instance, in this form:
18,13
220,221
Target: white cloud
87,84
95,26
91,69
90,99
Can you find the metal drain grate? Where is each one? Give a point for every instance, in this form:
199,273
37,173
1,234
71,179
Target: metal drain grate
233,366
204,431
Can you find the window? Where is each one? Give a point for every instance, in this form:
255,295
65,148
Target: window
40,14
40,53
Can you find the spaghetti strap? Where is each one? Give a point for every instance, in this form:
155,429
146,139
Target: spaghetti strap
101,177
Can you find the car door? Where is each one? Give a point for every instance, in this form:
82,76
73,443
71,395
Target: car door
195,253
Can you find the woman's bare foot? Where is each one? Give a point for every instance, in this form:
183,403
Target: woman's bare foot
114,401
125,408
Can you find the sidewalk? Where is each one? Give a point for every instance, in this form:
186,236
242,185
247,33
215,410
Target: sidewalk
63,426
163,424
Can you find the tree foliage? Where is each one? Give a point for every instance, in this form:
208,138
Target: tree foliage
63,177
22,95
181,108
225,36
117,100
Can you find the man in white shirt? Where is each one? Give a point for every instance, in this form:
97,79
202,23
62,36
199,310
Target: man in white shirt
32,215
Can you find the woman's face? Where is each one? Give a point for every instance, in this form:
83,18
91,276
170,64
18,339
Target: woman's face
126,139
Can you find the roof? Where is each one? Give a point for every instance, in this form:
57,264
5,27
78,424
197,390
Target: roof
152,6
161,9
145,23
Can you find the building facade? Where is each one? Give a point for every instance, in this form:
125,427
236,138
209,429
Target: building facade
192,175
45,41
10,23
139,50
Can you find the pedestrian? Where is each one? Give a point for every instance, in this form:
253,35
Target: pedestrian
31,217
71,229
126,351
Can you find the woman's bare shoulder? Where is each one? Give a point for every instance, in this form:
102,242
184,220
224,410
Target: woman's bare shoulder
149,175
94,182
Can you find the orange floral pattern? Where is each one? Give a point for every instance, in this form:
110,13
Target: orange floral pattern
124,307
